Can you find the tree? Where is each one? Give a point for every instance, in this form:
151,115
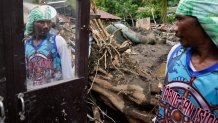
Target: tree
164,10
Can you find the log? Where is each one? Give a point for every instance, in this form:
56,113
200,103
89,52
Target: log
114,99
118,102
134,92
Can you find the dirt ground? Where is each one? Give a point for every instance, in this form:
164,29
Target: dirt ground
150,59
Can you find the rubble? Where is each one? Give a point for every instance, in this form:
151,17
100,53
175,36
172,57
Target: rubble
123,82
144,23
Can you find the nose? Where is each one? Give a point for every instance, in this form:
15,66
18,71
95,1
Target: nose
46,25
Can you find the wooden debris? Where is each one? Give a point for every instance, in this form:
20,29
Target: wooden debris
111,75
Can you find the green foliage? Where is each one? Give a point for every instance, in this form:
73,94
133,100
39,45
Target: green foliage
123,8
171,18
129,9
148,10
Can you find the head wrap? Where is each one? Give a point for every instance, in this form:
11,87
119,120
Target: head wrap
43,12
206,12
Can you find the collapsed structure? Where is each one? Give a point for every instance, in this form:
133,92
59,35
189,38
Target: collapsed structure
119,80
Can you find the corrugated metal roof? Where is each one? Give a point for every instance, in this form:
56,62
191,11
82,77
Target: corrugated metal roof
105,15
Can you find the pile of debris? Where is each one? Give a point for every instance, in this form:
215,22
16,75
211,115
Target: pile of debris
122,86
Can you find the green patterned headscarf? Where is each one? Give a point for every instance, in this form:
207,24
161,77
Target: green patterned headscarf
206,12
43,12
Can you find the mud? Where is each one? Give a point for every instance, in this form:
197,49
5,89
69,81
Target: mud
140,64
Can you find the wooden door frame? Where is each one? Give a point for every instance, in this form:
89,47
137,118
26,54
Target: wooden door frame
13,27
83,10
14,52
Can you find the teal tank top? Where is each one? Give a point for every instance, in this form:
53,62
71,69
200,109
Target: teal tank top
188,96
43,63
